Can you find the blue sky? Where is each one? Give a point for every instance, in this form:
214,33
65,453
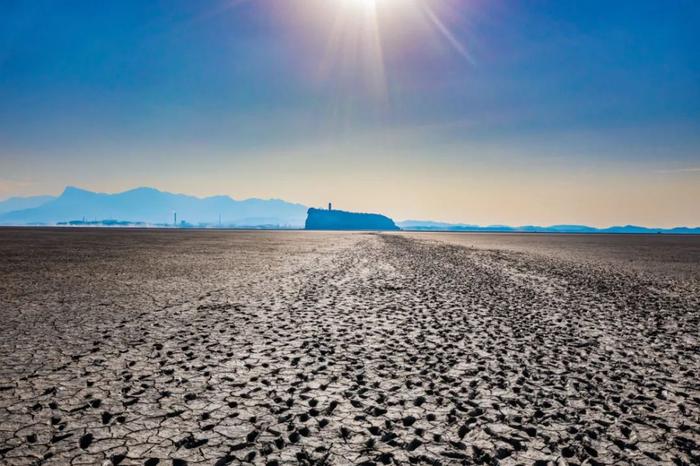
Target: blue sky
475,111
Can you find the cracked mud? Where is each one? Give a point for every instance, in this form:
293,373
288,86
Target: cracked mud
163,348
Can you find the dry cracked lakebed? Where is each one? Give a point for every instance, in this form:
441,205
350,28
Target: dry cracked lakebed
205,347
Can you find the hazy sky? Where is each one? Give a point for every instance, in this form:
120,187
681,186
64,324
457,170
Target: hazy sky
509,112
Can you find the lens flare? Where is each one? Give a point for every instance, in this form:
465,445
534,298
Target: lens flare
357,49
363,33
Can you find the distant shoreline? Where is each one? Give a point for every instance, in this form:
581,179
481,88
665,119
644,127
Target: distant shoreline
408,230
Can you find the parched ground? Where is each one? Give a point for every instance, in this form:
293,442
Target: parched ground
177,347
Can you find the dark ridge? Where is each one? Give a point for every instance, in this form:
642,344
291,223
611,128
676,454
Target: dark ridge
319,219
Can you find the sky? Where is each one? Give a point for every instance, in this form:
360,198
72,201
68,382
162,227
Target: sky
475,111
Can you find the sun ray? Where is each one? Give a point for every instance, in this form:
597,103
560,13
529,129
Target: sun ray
354,47
446,33
358,42
375,55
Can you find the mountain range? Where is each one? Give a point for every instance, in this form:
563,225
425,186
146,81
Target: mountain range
150,206
427,225
21,203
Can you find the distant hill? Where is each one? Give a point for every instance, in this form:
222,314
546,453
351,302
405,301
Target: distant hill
19,203
427,225
148,206
320,219
151,206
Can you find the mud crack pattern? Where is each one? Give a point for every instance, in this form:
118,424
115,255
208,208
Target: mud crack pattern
340,349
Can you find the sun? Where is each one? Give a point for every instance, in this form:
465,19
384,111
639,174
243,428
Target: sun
362,3
361,7
370,6
359,42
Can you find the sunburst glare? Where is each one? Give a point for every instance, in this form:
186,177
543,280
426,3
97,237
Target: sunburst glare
357,36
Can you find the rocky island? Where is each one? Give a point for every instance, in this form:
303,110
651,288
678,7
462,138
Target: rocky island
321,219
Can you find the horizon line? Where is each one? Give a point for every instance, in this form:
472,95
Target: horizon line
441,223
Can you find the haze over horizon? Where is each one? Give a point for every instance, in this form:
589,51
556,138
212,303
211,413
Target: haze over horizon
478,112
